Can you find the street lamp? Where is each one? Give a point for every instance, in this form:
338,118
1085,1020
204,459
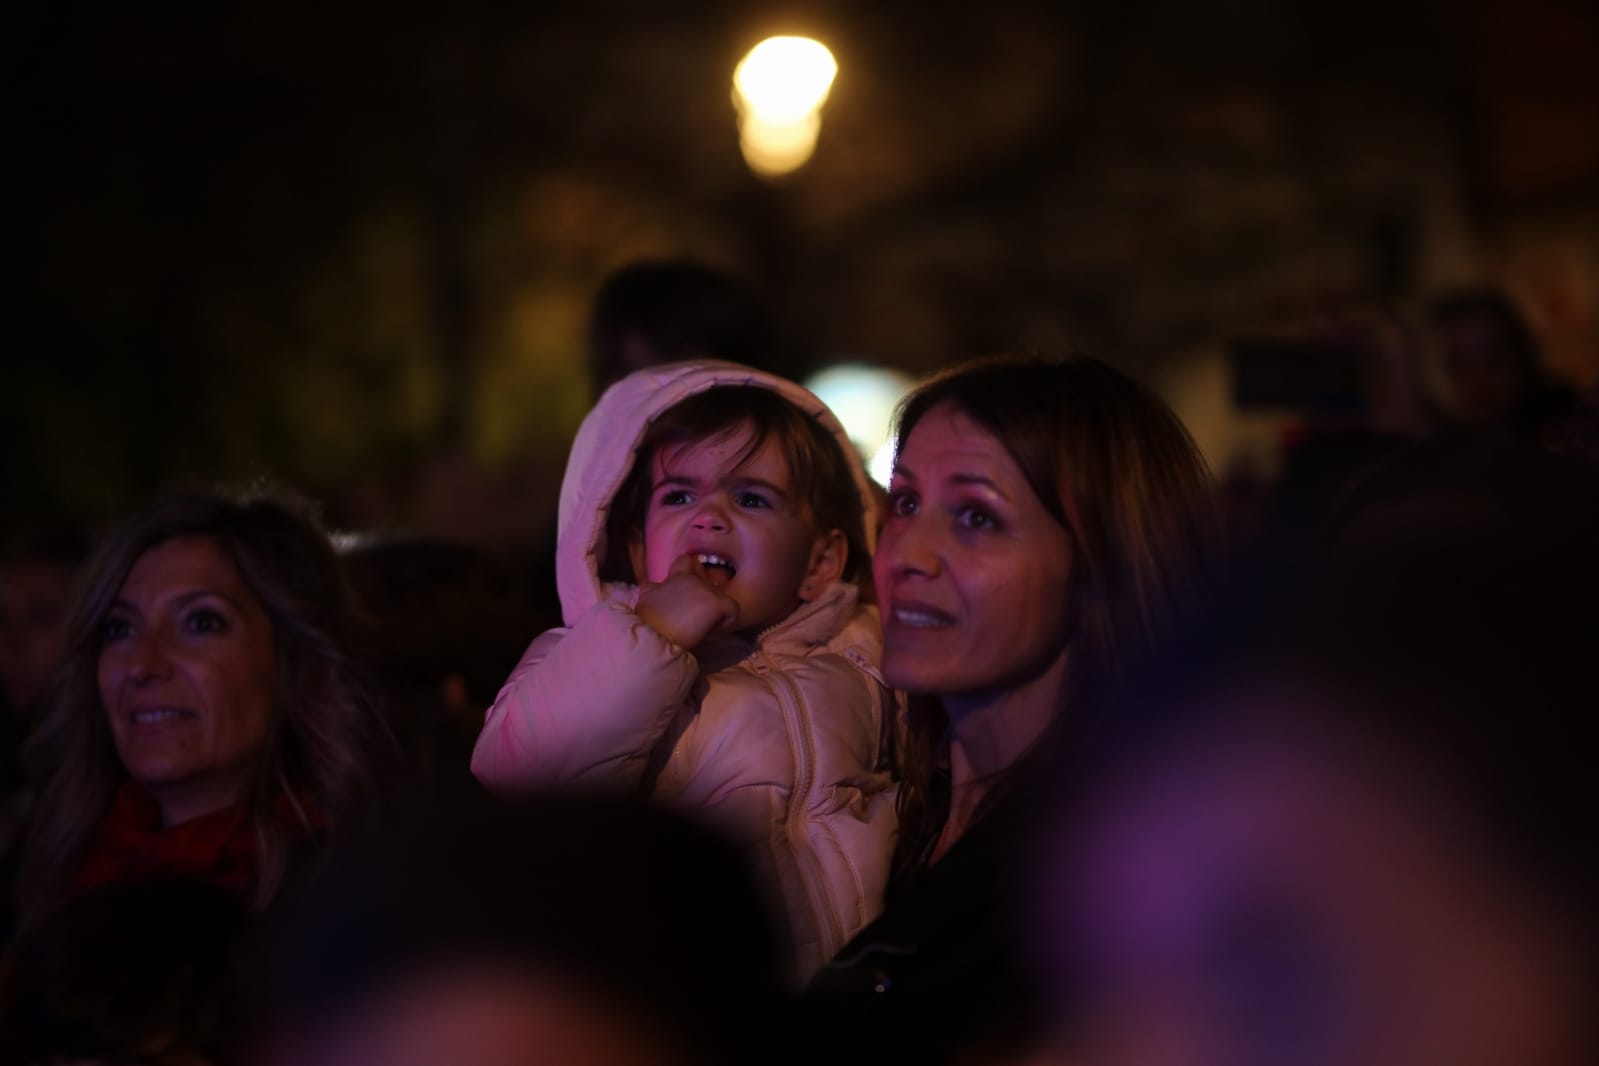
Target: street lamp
779,89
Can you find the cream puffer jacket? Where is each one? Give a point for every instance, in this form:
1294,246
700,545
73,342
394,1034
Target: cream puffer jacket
779,740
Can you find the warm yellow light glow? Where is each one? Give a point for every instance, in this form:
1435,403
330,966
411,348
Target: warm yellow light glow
772,149
784,79
864,398
779,89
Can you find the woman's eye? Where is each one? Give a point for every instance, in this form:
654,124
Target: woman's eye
752,500
205,620
902,503
975,518
115,628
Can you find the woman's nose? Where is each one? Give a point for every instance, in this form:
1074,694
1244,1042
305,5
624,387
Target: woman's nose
907,546
147,657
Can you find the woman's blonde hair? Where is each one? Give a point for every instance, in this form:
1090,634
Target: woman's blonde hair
326,746
1114,466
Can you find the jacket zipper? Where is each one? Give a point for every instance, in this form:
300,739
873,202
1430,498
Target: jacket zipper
792,701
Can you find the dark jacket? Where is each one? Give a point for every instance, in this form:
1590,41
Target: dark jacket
944,974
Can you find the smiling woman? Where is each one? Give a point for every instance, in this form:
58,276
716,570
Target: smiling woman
210,719
1049,518
1046,521
186,677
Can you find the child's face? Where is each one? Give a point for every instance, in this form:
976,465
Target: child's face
742,520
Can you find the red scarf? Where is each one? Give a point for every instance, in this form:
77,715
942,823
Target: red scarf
219,848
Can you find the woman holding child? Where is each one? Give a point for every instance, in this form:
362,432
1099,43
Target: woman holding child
717,655
1046,521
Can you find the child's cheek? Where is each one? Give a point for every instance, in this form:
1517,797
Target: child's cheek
658,553
644,549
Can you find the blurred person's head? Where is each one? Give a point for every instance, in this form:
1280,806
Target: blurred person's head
1046,520
555,929
37,568
1489,361
1362,835
448,623
655,312
209,663
1575,433
1454,490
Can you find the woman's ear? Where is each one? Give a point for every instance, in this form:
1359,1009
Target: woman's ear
829,556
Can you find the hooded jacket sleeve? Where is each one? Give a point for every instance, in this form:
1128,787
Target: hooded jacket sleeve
585,705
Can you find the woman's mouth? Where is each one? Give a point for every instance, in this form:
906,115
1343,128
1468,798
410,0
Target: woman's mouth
157,715
919,616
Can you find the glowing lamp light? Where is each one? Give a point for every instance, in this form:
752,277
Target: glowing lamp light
783,79
864,398
772,150
779,89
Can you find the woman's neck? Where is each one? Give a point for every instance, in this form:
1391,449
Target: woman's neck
989,735
184,803
991,731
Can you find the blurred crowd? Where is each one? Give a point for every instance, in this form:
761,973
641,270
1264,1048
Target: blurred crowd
1059,750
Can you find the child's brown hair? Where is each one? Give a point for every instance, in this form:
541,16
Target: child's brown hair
821,473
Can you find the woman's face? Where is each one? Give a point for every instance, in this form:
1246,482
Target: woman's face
186,677
972,571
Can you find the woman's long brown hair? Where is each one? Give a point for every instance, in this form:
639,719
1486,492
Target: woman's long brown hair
1114,466
328,746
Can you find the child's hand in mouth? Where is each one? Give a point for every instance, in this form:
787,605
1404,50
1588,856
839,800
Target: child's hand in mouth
690,605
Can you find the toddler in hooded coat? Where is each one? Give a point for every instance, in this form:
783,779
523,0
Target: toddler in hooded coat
716,655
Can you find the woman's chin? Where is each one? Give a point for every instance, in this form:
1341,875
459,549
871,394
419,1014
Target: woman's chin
915,674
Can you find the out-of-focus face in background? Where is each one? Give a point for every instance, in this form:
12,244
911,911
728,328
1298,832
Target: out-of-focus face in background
1485,383
1272,898
35,601
486,1015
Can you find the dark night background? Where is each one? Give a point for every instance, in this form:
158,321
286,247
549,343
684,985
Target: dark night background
353,249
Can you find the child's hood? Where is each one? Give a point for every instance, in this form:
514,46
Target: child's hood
606,442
